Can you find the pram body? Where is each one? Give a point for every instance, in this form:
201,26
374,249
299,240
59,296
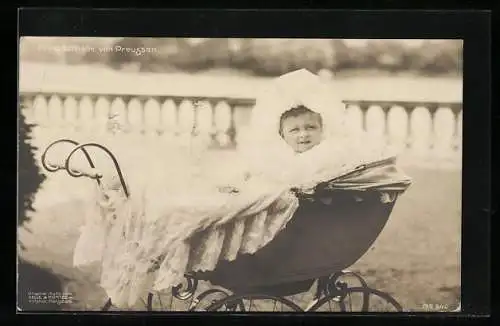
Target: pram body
330,231
317,241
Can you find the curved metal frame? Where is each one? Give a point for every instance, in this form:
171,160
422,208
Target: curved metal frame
78,174
55,168
192,285
334,286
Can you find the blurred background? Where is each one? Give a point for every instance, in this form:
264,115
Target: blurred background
172,104
253,57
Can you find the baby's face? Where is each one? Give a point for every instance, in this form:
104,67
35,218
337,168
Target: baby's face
302,132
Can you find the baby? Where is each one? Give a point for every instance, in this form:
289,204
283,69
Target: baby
300,128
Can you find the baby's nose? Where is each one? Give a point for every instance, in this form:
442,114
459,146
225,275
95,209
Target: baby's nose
303,134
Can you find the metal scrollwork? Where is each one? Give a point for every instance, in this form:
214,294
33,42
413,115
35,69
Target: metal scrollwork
184,294
51,167
55,167
204,296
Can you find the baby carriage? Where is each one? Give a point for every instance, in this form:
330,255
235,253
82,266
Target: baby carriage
313,252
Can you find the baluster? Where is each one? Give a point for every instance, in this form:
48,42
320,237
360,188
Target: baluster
223,123
354,119
386,126
397,127
56,114
204,121
169,119
194,127
86,114
102,113
70,107
135,115
231,131
364,122
186,117
178,118
375,124
117,118
40,113
444,134
185,123
152,117
213,131
421,124
409,109
432,110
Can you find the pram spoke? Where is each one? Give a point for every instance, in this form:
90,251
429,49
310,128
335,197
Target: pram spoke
254,302
358,299
207,298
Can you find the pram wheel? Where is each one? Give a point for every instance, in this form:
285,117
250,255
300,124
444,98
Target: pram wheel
164,300
207,299
254,302
358,299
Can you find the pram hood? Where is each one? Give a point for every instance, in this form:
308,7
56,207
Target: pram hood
382,175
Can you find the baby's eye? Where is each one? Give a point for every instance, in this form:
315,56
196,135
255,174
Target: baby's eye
311,127
294,130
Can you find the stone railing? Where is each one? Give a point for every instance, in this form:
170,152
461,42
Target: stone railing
427,129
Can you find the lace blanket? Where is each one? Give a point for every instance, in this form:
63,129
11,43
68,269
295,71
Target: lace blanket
145,243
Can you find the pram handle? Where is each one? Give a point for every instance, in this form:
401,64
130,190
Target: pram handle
92,173
56,167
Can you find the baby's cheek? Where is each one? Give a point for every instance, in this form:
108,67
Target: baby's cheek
317,139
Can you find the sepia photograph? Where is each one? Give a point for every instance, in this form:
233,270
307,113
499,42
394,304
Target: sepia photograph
239,174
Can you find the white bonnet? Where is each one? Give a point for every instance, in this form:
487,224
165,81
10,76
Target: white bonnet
299,87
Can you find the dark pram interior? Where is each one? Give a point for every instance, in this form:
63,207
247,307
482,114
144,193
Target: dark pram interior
319,240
